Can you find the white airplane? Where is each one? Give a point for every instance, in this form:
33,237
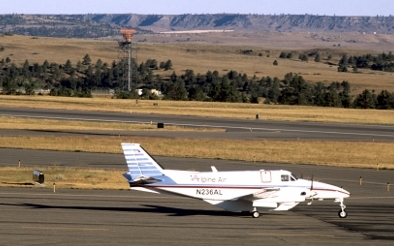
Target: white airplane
237,191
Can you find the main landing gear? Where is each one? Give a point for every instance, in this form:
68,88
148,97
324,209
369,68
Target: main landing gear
342,213
255,214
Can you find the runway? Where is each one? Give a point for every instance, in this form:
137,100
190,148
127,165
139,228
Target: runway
31,216
91,217
235,128
78,217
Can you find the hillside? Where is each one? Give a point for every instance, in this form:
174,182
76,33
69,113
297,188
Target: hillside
256,23
108,25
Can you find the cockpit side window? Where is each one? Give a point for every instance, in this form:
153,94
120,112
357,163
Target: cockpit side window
284,178
293,177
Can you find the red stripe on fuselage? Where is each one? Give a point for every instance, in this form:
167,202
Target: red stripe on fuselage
233,187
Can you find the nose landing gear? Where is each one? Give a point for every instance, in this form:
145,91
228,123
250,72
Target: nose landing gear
342,213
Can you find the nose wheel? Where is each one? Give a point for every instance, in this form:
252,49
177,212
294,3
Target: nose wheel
342,213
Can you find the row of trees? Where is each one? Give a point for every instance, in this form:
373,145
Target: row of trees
303,57
78,80
69,79
382,62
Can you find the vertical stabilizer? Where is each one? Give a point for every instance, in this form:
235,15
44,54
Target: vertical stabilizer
141,165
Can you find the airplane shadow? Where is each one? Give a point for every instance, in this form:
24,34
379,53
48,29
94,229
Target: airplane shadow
170,211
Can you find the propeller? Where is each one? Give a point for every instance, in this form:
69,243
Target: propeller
311,193
311,183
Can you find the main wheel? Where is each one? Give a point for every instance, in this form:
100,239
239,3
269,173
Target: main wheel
342,214
255,214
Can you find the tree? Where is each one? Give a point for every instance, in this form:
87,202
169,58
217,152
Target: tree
25,69
317,58
274,92
288,77
275,63
332,99
68,66
45,66
9,86
364,100
227,92
303,57
385,100
298,92
189,77
345,96
151,63
343,63
196,94
29,88
319,91
176,91
86,60
99,64
79,66
168,65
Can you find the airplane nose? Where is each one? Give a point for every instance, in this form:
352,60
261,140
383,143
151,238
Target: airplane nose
345,193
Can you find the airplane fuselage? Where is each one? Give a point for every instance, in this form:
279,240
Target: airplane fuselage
229,185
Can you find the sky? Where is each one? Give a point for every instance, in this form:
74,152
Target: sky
315,7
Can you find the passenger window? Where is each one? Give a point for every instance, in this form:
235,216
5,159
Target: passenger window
285,178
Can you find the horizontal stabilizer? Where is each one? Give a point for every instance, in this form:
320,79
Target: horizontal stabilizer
141,180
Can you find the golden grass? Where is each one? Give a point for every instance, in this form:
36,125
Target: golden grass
345,154
205,109
68,177
45,124
198,57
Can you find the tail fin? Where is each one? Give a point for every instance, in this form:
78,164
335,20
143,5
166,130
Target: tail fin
142,167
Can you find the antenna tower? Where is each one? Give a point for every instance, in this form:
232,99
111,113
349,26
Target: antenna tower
125,54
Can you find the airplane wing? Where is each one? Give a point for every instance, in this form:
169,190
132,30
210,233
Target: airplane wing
279,199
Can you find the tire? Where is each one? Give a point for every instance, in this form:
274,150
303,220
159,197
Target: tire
342,214
255,214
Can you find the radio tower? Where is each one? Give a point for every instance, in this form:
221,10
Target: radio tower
125,48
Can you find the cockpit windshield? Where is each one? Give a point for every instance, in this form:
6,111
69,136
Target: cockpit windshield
293,177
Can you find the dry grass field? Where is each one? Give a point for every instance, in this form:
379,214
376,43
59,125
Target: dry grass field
345,154
220,51
65,177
